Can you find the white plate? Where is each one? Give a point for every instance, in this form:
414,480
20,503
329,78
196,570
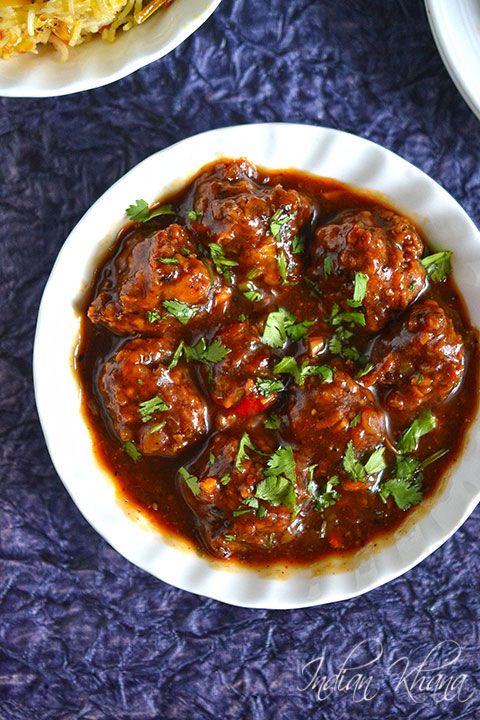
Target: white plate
318,150
456,28
96,62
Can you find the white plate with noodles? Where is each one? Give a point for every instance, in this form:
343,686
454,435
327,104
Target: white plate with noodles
456,28
58,47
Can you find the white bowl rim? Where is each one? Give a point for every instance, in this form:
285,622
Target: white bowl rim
454,65
216,590
28,89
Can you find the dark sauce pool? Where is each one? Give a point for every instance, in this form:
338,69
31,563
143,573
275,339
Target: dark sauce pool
153,486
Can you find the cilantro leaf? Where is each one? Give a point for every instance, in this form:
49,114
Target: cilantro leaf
177,355
359,290
194,216
201,352
131,449
277,491
423,424
288,366
190,480
352,465
272,422
157,427
244,445
328,496
438,265
434,457
356,419
298,244
327,265
376,461
277,222
167,260
252,293
222,263
405,492
148,408
298,330
276,324
180,310
405,485
139,211
268,386
225,479
282,266
282,462
153,316
337,317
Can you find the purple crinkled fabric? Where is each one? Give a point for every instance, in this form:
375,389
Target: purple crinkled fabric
84,634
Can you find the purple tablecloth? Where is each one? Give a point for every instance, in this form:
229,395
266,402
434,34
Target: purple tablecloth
84,634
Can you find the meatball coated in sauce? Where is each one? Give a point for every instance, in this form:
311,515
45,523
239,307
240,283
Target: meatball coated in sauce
324,417
226,504
238,214
138,373
234,380
382,245
148,271
421,361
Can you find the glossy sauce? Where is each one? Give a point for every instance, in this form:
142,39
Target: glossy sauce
153,484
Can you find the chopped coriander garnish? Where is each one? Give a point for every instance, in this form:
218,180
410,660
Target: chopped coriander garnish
251,293
230,538
364,371
359,290
274,332
419,379
140,212
355,420
405,491
194,216
180,310
354,468
157,427
148,408
282,266
267,386
242,511
278,220
211,457
298,330
298,244
201,352
190,480
376,462
328,496
277,486
167,260
276,490
244,445
225,479
337,317
352,465
153,316
242,317
289,366
438,265
281,324
423,424
272,422
253,273
131,449
222,263
327,265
